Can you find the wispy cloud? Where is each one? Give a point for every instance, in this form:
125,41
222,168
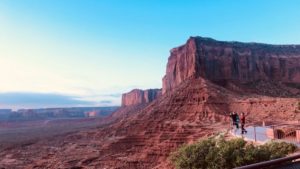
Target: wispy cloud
18,100
113,95
106,101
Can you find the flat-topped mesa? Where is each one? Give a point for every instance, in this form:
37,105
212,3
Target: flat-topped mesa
232,61
137,96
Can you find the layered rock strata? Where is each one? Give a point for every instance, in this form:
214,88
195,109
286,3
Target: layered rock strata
232,61
137,96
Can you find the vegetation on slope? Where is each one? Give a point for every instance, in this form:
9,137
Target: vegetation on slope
217,153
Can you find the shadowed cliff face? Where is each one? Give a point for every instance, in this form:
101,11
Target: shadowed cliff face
232,61
137,96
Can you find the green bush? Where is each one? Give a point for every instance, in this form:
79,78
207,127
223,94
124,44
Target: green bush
279,149
215,153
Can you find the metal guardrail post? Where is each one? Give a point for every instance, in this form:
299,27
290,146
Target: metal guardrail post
230,125
254,133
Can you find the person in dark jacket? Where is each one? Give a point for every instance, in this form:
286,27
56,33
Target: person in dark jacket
236,119
243,121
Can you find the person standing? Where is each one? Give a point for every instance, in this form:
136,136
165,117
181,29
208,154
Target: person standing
236,119
243,121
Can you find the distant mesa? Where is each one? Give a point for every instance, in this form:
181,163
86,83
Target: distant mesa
51,113
91,114
137,96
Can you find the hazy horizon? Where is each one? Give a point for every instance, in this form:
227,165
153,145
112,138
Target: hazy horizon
87,53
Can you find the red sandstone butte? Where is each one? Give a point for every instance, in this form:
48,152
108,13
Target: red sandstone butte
137,96
232,61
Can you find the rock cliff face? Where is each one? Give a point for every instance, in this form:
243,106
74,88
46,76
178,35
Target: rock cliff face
220,61
137,96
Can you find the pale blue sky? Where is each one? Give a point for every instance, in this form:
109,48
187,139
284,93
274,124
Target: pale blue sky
94,50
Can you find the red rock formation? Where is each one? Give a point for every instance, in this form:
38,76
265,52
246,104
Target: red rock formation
194,106
137,96
232,61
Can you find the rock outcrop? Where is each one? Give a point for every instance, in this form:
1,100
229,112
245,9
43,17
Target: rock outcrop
137,96
232,61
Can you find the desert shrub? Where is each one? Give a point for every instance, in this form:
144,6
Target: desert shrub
192,156
215,153
279,149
